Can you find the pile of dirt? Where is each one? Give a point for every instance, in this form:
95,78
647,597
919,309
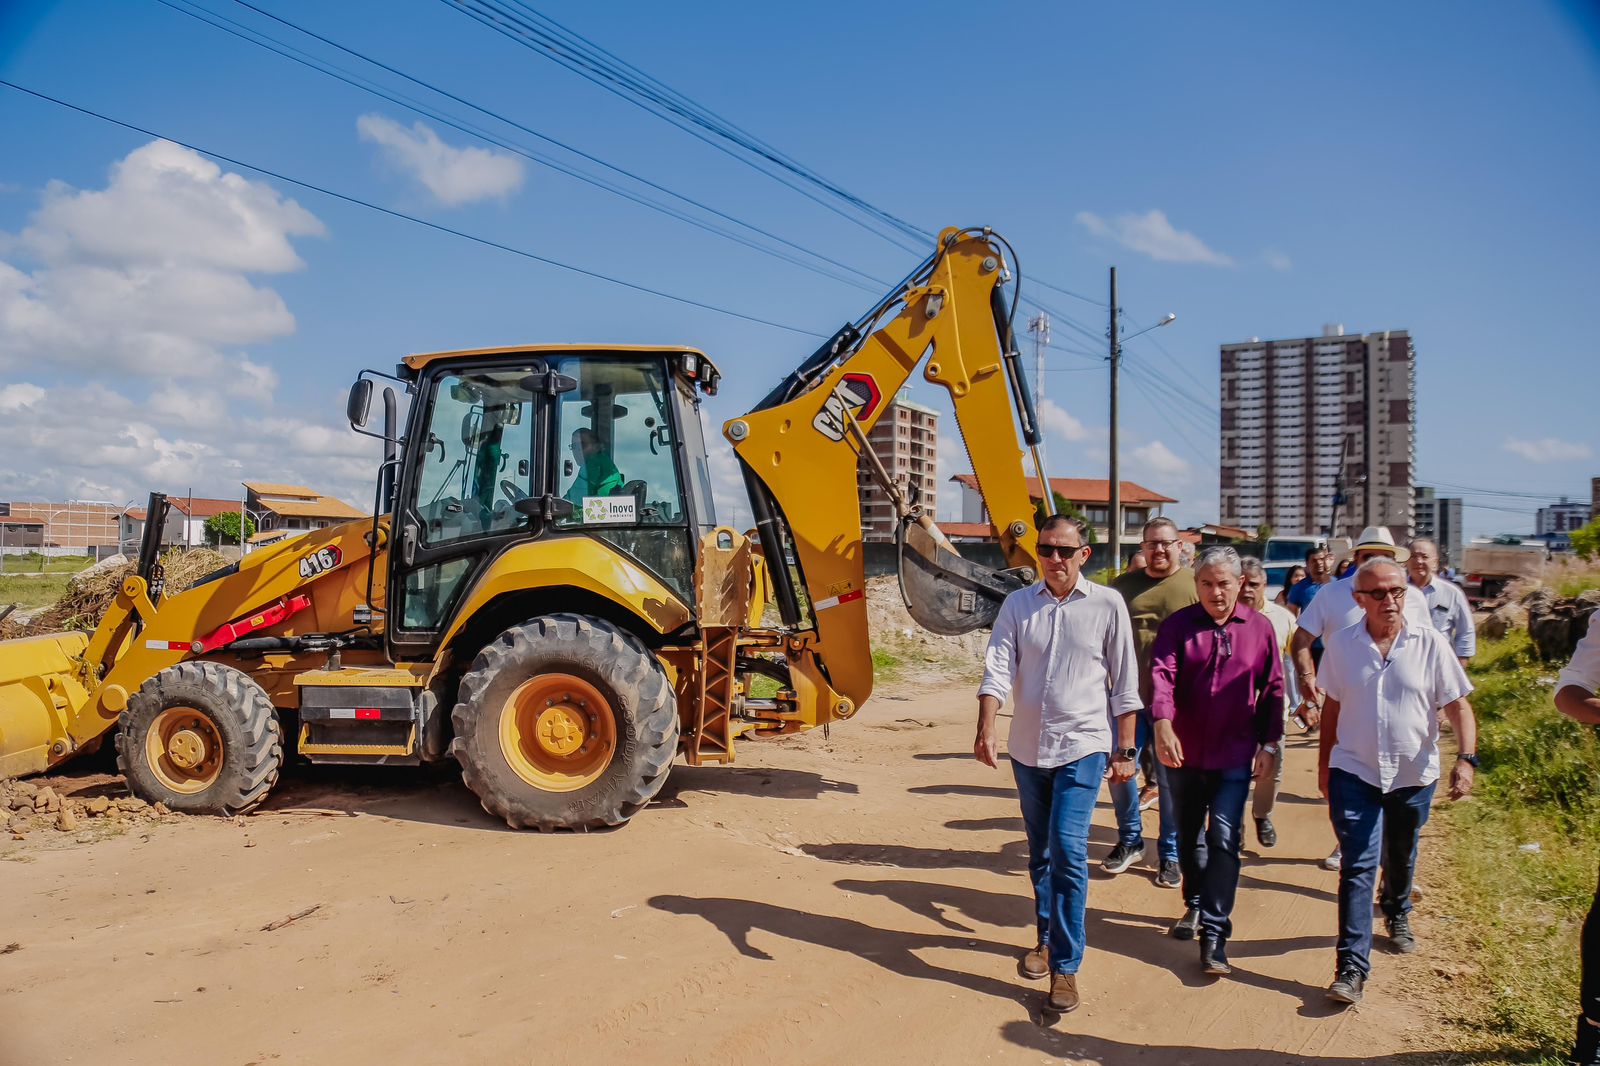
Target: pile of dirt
92,592
26,807
892,627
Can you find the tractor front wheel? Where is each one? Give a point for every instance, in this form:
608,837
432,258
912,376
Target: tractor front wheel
565,722
202,738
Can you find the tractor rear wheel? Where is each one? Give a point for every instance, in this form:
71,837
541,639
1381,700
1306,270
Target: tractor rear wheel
202,738
565,722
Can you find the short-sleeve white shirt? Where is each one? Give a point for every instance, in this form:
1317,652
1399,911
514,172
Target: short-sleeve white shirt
1584,669
1335,608
1388,730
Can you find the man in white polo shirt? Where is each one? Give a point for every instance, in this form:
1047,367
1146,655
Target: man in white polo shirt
1578,697
1387,680
1446,603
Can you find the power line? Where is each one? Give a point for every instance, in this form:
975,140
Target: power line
357,201
262,40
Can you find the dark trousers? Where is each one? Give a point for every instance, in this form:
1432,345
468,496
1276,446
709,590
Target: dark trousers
1057,805
1209,806
1375,829
1586,1052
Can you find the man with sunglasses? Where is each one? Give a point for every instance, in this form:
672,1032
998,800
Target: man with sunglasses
1335,608
1153,594
1217,669
1062,651
1386,680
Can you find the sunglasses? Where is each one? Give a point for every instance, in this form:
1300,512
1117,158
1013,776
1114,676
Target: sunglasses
1397,593
1051,551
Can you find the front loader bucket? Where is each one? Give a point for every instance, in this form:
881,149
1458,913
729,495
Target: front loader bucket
945,593
40,689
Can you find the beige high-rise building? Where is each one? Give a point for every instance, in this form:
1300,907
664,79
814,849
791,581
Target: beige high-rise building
906,441
1293,410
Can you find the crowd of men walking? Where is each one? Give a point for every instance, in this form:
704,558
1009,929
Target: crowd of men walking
1200,673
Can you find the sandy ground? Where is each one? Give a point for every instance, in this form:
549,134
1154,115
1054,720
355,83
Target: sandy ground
825,900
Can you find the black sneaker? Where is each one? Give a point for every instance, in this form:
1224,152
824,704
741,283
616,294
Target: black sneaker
1121,857
1170,875
1346,987
1265,833
1401,938
1188,926
1214,956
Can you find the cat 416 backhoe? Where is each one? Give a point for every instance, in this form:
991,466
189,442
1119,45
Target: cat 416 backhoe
544,595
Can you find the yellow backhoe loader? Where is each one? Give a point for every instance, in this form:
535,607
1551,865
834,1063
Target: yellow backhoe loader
543,594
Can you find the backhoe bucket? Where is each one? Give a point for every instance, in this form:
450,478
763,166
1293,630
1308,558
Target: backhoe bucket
40,688
943,592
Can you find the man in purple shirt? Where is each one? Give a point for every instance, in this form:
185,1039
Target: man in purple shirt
1218,709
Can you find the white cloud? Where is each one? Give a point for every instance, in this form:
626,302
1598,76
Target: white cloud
1152,234
147,277
1549,450
14,398
1277,260
1054,418
455,176
1159,459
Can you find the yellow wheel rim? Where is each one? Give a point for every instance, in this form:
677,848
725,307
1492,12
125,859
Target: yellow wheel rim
557,732
184,750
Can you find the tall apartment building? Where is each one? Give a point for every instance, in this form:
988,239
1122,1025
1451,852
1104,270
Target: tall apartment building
906,441
1439,519
1293,410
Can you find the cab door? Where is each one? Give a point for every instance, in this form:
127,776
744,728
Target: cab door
477,448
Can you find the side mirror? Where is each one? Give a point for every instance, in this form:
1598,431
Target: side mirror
360,403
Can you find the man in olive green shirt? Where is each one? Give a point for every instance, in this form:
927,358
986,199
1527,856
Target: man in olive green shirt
1163,587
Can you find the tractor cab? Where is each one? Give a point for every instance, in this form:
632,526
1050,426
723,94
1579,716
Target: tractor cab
504,446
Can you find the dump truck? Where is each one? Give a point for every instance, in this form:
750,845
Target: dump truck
1488,566
543,593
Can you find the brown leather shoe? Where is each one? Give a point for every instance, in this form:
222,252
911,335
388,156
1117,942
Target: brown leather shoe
1036,964
1063,993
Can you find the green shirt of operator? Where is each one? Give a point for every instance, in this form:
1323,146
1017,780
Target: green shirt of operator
597,473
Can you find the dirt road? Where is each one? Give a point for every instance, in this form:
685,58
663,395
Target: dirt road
824,901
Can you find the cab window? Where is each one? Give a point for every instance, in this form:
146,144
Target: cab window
616,442
477,455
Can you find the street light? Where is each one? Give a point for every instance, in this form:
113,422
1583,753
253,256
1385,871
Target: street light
1116,340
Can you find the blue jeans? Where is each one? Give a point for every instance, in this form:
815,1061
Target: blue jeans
1210,809
1057,803
1125,800
1375,829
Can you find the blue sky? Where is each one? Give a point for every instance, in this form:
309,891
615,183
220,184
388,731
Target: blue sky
1259,169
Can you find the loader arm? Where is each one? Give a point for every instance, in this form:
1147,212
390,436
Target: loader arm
800,448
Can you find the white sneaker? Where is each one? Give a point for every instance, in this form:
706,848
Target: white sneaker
1333,862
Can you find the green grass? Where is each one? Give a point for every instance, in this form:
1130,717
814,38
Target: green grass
32,591
1518,912
33,563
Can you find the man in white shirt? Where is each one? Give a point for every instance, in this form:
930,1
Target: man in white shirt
1446,603
1253,592
1062,650
1333,609
1387,680
1578,697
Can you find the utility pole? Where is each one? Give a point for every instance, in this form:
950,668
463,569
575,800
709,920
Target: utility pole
1115,509
1039,326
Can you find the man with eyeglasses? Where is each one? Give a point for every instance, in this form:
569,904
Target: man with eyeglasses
1062,651
1386,681
1153,594
1217,669
1335,608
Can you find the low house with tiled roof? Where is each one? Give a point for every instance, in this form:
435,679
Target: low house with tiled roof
1092,496
294,508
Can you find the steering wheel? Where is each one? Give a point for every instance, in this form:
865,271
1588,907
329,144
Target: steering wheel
513,493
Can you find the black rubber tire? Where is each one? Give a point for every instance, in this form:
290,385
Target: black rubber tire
621,668
252,737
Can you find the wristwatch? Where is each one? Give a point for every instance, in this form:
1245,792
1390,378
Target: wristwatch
1270,749
1468,758
1125,753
